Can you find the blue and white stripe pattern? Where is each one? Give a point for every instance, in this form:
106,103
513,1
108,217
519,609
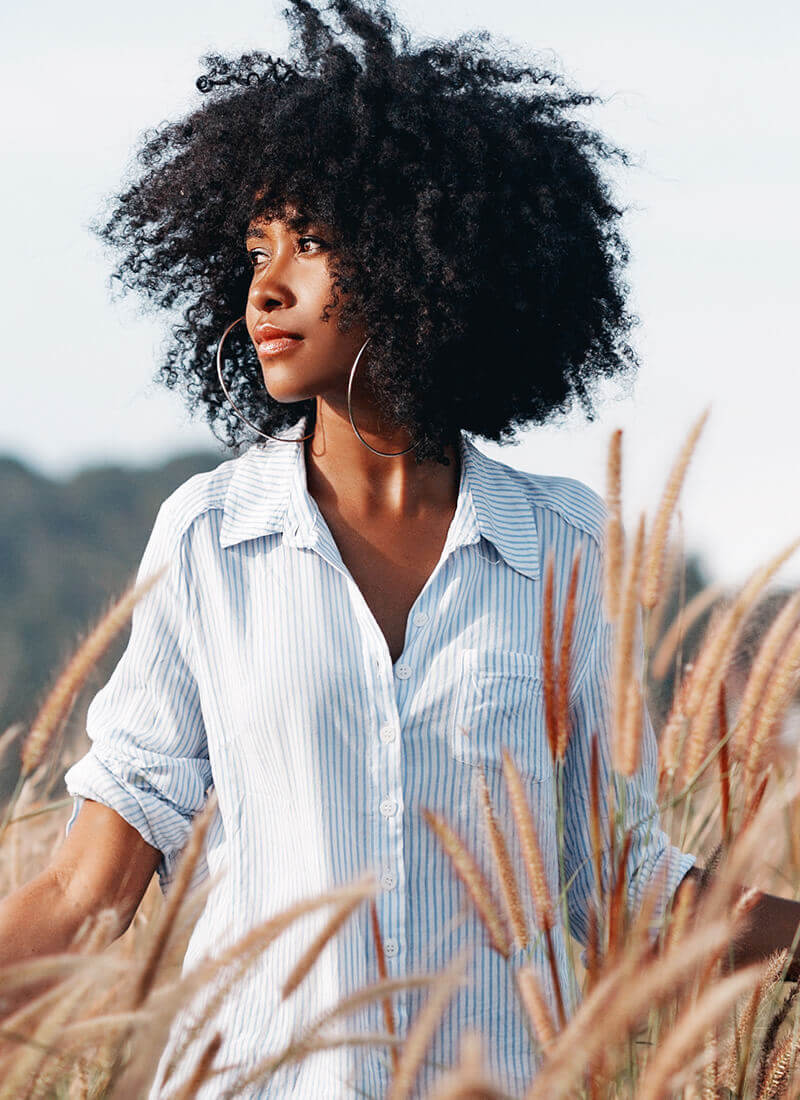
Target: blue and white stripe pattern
257,667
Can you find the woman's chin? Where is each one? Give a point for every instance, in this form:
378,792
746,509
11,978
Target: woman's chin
286,394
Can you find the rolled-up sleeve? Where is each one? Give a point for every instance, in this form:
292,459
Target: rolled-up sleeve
148,758
653,858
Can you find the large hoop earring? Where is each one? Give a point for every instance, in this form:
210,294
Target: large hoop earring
237,410
386,454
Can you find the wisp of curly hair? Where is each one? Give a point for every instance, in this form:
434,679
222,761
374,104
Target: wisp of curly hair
474,233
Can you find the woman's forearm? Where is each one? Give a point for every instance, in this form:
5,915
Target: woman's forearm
38,918
770,926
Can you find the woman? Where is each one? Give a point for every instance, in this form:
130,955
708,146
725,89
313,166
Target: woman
379,251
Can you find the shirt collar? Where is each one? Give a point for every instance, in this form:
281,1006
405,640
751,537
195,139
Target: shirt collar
268,493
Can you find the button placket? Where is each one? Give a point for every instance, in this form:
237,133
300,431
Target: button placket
388,789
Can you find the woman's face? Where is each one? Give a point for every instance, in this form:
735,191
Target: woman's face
291,284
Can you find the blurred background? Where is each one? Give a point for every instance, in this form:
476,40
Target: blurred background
703,96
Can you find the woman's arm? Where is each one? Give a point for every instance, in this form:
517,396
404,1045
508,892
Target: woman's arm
103,863
771,925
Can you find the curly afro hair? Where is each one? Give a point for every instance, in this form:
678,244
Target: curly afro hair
475,235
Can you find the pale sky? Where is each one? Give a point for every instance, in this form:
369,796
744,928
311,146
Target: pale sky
703,95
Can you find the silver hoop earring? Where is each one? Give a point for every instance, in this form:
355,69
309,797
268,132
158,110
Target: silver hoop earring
237,410
386,454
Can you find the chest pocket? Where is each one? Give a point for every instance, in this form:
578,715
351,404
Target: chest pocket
500,702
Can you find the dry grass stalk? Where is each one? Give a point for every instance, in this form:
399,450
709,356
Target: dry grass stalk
595,825
682,912
232,964
20,1026
614,549
9,737
174,900
654,562
309,1039
623,996
508,880
21,1079
631,734
472,877
306,961
780,1070
17,977
689,1030
592,948
298,1050
765,660
712,662
534,868
672,574
724,766
680,626
616,907
549,659
626,630
723,894
778,1017
201,1070
96,932
467,1080
642,931
536,1006
57,705
565,663
424,1026
777,696
79,1085
751,809
360,997
738,1054
105,1026
711,1077
386,1003
673,734
529,843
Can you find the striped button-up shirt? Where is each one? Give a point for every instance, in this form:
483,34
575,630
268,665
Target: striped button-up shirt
256,666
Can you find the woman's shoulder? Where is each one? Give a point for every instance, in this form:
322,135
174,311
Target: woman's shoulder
201,497
575,502
559,498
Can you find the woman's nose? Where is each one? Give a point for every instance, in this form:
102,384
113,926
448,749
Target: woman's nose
271,285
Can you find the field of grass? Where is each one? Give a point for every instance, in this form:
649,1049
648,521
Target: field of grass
663,1013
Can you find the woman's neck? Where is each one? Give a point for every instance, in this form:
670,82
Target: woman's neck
340,469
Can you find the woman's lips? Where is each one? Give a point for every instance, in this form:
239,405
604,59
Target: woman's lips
276,346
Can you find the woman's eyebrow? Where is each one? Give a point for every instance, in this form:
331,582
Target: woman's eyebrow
254,234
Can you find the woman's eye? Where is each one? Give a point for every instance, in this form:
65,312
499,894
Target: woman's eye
310,245
314,241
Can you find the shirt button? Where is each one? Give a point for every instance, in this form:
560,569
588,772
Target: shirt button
391,947
388,733
388,880
403,672
421,618
388,807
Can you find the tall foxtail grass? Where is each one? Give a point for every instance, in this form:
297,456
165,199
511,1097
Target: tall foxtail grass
661,1013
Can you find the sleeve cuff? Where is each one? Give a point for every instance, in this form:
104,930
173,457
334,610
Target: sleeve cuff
668,868
157,821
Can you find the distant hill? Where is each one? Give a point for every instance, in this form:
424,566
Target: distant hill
67,548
